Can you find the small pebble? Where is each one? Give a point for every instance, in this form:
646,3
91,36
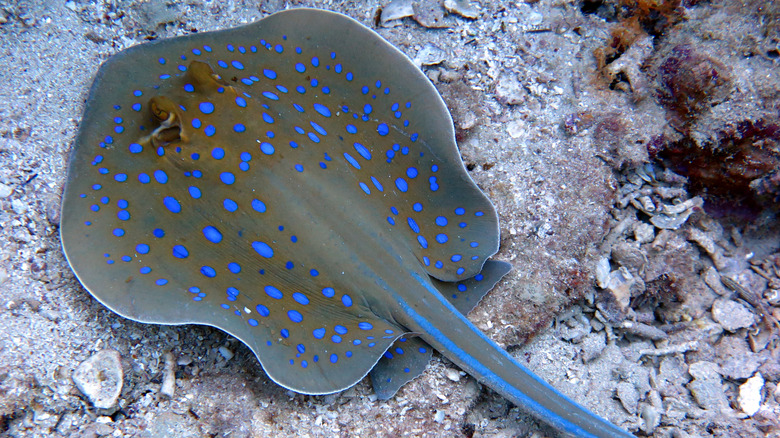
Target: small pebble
100,378
169,377
18,206
226,353
749,398
5,190
628,396
452,374
731,315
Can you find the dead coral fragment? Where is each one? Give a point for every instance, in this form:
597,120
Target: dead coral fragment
689,82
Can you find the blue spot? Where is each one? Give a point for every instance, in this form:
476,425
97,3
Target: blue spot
222,64
413,225
252,322
227,178
439,264
315,61
158,233
336,339
270,74
340,329
299,167
208,271
279,48
301,348
460,271
289,265
401,184
240,101
120,177
206,107
212,234
349,76
161,282
136,107
180,252
411,172
142,248
474,244
263,249
364,187
351,160
382,129
300,298
441,221
422,241
417,207
232,292
295,316
123,215
377,184
230,205
267,118
394,210
314,273
122,203
456,258
270,95
189,88
318,333
463,224
196,123
300,68
460,211
363,151
273,292
135,148
267,148
351,129
329,292
414,136
258,206
238,127
160,176
346,300
210,130
145,270
479,213
262,310
234,267
367,108
172,204
320,130
334,358
322,109
194,192
390,220
442,238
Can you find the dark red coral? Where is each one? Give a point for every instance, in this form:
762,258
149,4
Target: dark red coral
738,176
688,82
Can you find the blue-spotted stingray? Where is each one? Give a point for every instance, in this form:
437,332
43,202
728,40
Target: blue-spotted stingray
296,183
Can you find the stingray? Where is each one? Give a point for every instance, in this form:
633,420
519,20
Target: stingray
296,183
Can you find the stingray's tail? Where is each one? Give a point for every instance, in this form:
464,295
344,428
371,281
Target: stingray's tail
447,330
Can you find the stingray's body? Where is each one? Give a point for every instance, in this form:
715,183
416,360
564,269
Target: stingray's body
296,183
